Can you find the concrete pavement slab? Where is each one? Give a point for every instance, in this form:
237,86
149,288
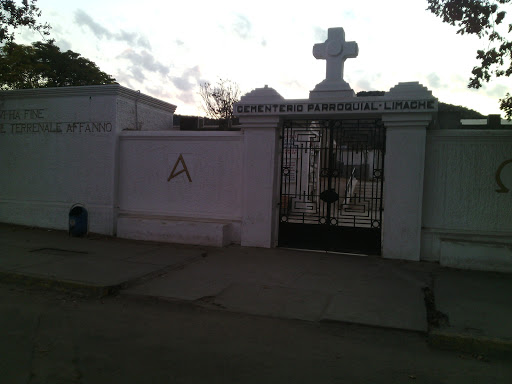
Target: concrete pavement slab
12,257
181,286
220,268
36,237
38,240
122,249
89,270
165,256
476,303
273,282
317,286
266,266
94,266
276,301
392,303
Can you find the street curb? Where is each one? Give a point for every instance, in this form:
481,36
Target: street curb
469,343
207,304
374,326
68,286
86,289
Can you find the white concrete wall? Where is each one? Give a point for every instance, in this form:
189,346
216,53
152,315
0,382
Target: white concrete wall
57,158
466,222
136,111
403,185
260,195
205,209
58,147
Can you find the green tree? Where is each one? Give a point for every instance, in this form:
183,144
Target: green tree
218,99
13,16
486,19
42,65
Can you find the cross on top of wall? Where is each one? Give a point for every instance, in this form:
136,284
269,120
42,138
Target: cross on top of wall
335,50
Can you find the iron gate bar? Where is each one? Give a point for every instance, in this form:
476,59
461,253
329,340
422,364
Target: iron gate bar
331,184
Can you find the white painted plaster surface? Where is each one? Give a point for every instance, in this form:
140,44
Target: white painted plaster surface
58,147
409,90
460,180
466,221
262,95
135,114
204,198
45,172
406,110
261,182
174,230
403,185
468,254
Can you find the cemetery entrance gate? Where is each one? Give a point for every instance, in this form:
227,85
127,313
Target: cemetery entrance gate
332,174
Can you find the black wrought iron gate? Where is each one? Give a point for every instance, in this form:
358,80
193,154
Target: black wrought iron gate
331,185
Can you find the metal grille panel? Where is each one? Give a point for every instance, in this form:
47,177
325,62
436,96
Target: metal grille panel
331,184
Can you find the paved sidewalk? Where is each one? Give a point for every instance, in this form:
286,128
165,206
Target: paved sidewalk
478,306
301,285
94,266
467,310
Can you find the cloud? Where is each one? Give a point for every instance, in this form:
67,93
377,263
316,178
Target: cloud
137,73
349,15
194,72
132,38
125,80
242,27
187,98
367,82
159,92
82,18
364,85
293,84
459,79
497,91
64,45
144,60
188,83
188,80
320,34
434,81
182,83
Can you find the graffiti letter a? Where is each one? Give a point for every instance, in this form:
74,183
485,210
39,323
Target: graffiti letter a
184,169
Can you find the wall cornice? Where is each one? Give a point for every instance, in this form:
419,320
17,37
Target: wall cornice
89,90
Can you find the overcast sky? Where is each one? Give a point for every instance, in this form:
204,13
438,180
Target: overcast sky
166,49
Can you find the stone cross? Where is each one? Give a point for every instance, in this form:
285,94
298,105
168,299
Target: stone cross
335,50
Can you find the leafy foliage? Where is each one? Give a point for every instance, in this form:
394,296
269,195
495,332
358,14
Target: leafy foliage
13,16
486,19
464,113
43,65
218,99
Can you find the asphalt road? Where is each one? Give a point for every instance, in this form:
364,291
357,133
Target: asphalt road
48,337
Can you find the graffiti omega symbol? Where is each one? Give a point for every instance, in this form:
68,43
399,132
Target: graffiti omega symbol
502,189
185,169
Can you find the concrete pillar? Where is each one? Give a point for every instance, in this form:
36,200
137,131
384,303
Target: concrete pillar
260,181
404,165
